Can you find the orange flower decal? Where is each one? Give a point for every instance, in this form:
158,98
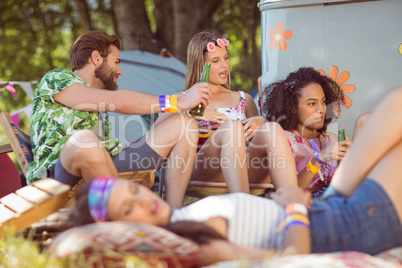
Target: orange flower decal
343,77
278,37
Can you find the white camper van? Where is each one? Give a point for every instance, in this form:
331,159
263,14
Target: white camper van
358,43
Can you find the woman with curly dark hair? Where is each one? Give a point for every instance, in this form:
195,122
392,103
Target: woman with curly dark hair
304,104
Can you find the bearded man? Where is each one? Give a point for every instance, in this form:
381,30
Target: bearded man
71,133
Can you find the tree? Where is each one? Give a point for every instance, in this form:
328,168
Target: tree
240,20
132,25
36,35
176,23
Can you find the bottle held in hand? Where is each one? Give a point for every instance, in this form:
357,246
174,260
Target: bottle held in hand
199,109
341,137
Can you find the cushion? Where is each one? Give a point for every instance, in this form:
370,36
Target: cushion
118,242
388,259
25,142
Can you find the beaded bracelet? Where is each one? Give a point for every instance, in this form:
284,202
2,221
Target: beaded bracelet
296,208
316,152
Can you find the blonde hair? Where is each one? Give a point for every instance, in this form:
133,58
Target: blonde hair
196,53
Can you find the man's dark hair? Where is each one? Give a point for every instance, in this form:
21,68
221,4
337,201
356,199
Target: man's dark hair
83,47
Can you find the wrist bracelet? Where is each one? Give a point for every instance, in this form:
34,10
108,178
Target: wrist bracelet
167,107
310,167
292,218
313,169
320,174
297,217
162,103
293,223
296,208
316,152
173,104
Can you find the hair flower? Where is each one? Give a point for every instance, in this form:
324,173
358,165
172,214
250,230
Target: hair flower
211,47
221,42
226,42
290,86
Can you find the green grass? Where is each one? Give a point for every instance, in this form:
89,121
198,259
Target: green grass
18,251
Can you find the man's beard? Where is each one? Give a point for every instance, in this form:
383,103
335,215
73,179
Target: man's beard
106,76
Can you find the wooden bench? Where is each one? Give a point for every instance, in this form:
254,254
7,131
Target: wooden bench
31,203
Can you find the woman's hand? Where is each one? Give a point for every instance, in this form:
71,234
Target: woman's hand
251,126
211,115
335,151
286,195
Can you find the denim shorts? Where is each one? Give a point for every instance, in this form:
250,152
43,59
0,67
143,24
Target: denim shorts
366,222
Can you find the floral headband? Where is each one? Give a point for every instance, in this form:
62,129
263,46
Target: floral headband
98,197
221,42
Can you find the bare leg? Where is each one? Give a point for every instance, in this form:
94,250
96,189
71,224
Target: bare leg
223,158
269,155
175,138
85,156
360,121
377,137
387,172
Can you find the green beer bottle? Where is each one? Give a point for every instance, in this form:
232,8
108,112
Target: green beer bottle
341,137
199,109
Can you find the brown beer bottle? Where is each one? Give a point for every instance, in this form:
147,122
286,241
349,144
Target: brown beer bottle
199,109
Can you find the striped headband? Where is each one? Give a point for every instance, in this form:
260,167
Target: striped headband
98,197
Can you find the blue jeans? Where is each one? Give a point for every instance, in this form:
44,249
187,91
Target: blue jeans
366,222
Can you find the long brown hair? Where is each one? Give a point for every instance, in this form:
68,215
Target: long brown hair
196,53
85,44
195,231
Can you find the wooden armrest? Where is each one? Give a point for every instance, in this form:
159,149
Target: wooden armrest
144,177
5,149
30,204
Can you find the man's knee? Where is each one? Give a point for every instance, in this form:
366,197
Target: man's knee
183,125
84,139
80,146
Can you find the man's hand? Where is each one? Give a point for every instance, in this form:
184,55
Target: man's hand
199,93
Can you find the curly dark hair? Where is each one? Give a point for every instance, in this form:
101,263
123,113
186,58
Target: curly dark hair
281,98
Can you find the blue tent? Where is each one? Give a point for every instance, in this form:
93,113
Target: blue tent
149,73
